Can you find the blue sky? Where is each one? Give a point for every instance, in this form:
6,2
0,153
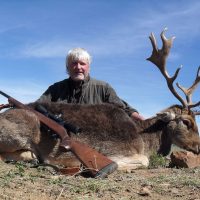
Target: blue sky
35,37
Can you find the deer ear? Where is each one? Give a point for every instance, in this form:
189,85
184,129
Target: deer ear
166,116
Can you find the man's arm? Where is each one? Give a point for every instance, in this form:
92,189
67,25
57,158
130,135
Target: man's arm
133,113
113,98
44,98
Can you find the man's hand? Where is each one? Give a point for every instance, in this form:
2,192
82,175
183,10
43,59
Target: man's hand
137,116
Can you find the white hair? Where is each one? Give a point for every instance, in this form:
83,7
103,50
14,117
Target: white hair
77,54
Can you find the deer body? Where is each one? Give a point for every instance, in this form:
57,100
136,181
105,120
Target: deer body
111,132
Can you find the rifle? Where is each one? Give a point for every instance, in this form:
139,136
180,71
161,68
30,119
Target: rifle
68,126
95,163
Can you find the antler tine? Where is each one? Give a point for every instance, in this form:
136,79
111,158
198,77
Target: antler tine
197,112
159,57
167,43
188,91
153,42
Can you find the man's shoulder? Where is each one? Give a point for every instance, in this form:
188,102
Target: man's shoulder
94,81
60,83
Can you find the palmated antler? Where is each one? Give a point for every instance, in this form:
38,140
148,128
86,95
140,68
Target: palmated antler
159,58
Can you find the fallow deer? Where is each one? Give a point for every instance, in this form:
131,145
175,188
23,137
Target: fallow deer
111,131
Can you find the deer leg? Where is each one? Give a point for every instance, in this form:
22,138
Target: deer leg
21,155
131,162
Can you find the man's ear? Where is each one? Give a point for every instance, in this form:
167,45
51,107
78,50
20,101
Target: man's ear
67,69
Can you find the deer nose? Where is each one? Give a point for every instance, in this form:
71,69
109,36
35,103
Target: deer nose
197,149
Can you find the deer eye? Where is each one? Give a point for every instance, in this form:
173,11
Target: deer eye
187,122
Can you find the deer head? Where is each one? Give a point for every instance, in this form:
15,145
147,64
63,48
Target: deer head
159,58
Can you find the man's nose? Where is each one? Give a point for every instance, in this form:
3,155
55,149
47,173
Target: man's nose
78,65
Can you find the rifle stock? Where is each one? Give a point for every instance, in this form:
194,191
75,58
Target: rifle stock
96,163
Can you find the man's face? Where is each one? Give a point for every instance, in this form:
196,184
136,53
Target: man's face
78,70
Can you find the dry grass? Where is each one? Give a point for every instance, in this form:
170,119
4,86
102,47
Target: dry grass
19,181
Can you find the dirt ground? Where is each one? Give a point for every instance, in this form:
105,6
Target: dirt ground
21,181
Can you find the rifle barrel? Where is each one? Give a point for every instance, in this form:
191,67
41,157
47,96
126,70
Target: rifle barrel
4,94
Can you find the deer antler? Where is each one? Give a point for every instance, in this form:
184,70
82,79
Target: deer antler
159,57
188,91
196,112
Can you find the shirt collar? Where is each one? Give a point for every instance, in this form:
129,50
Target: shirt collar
77,84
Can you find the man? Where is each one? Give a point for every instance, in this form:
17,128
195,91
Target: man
80,88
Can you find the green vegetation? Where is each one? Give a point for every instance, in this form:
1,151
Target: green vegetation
157,160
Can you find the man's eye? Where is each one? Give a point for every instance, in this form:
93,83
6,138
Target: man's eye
74,63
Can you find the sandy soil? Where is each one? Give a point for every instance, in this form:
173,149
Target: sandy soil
21,181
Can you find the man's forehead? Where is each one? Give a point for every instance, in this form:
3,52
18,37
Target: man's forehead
81,60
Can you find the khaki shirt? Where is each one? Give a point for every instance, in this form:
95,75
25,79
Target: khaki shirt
89,91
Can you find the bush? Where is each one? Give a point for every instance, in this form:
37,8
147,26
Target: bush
156,160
